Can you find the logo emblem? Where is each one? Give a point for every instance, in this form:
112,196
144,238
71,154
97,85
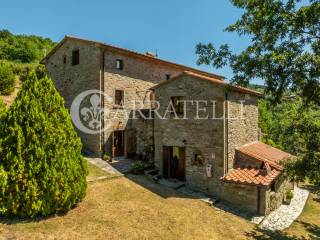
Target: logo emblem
87,112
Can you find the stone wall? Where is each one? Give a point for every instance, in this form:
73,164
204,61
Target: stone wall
244,160
241,128
274,199
205,137
241,196
73,80
135,79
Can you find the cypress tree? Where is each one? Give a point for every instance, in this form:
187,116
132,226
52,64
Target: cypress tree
42,170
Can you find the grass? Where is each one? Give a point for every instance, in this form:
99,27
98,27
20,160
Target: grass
308,224
133,207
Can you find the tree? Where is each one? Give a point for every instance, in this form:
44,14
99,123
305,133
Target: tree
41,168
303,138
7,79
295,128
284,49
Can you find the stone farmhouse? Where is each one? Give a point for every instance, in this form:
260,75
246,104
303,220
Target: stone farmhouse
215,150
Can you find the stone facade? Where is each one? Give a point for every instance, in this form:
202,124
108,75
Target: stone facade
135,79
97,70
205,137
242,123
73,80
215,140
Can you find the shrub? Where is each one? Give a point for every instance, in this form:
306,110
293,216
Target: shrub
138,165
2,108
40,154
106,157
289,194
7,79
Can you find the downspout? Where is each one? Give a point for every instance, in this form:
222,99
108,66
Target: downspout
226,117
102,100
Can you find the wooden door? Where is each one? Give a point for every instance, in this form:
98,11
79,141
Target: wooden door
131,140
174,162
166,160
118,143
182,164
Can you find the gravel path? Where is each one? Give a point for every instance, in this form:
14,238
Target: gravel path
284,216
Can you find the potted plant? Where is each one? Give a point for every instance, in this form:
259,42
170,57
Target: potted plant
289,196
107,158
137,167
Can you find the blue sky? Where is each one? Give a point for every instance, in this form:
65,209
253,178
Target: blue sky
172,27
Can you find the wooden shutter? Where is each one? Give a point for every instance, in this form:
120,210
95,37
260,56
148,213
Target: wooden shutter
165,165
153,100
182,163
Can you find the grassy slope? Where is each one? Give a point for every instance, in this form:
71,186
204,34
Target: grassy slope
123,209
135,208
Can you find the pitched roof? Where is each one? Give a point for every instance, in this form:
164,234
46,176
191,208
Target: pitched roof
211,79
265,153
147,57
252,176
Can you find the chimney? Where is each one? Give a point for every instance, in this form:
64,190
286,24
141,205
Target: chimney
150,54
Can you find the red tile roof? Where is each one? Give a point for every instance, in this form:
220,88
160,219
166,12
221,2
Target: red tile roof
251,176
265,153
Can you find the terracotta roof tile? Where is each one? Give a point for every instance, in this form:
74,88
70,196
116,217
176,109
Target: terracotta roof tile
265,153
251,176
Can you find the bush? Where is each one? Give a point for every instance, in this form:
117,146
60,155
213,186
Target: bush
40,154
2,108
138,165
7,79
106,157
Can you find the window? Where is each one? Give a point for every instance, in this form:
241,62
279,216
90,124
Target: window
178,104
119,97
75,57
64,59
119,64
198,159
168,76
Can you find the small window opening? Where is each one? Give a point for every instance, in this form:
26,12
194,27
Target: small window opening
75,57
119,97
119,64
178,104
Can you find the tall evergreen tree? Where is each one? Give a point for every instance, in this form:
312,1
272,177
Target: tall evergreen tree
41,168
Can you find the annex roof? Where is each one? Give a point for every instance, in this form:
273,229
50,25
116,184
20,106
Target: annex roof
211,79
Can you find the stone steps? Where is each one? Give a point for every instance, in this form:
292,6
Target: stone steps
153,174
